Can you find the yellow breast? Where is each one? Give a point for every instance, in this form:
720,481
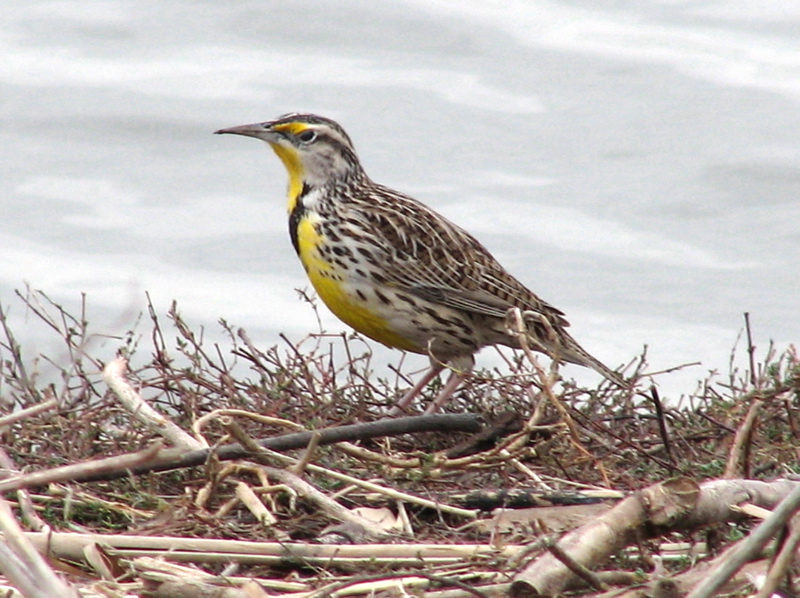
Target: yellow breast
334,287
332,283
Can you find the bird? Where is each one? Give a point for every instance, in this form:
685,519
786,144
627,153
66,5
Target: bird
395,270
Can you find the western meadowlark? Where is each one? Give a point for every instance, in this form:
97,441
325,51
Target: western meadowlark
394,269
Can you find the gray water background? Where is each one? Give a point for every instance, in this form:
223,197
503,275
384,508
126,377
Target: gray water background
637,164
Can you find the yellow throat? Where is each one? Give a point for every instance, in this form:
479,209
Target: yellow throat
294,166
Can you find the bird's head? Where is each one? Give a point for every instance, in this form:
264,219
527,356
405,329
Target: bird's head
315,150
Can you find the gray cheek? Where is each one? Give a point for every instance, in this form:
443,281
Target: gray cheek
323,162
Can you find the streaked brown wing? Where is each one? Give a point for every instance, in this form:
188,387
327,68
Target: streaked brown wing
436,260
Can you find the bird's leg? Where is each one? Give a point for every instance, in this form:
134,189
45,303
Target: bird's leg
453,382
412,394
460,366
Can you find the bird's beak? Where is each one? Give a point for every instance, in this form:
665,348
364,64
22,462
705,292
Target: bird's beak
257,130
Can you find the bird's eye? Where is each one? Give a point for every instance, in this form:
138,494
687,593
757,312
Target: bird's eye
307,136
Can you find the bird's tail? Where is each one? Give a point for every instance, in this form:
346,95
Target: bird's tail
552,339
567,349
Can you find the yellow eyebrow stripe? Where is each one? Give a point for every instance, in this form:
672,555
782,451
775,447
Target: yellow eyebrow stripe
293,128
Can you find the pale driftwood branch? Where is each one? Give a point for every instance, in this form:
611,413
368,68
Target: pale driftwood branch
114,376
29,514
588,545
735,466
678,585
402,582
300,486
307,455
13,418
9,468
718,496
328,506
678,504
492,589
68,473
171,580
162,579
750,547
390,492
253,503
201,550
332,507
23,565
159,569
783,561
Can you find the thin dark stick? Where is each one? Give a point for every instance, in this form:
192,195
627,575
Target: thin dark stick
177,459
590,425
662,424
751,350
585,574
16,353
717,423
